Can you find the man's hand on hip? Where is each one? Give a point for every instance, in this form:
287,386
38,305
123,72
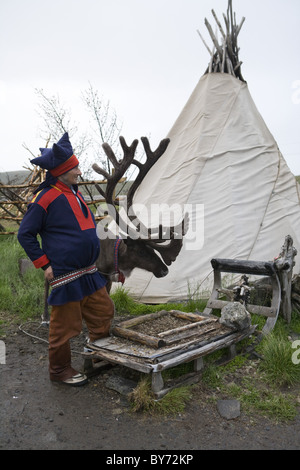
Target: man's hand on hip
48,273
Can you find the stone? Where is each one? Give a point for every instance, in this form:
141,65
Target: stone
50,437
229,409
234,315
24,265
120,384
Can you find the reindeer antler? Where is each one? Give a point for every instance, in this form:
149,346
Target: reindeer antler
170,251
154,237
152,158
165,240
120,168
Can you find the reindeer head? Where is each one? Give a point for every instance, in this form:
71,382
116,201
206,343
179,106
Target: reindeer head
152,249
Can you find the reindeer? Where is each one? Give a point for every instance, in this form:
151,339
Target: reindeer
141,246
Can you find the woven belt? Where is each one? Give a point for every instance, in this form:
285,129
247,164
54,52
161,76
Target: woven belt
66,278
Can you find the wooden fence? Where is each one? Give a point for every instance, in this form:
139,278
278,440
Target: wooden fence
15,198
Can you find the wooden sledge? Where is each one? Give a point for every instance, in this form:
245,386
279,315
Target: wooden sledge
152,354
199,335
257,268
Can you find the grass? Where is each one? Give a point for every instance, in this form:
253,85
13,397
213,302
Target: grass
126,305
2,332
277,364
279,406
21,296
266,386
142,399
255,393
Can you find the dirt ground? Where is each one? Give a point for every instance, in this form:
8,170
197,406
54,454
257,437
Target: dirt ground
36,414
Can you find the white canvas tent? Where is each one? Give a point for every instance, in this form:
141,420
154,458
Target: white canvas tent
223,159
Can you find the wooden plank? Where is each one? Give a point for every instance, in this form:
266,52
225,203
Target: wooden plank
8,233
35,185
125,361
257,309
187,315
16,203
188,334
142,319
140,337
116,345
190,346
157,382
204,350
188,379
152,316
179,329
243,266
112,344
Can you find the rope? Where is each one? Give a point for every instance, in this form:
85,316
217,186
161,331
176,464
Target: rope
31,335
21,328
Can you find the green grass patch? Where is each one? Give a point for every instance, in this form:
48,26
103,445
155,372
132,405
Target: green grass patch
213,376
22,296
277,363
126,305
142,399
268,401
2,333
257,383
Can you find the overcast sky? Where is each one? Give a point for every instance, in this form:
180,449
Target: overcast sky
145,57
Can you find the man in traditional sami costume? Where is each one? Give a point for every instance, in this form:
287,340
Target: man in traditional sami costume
67,254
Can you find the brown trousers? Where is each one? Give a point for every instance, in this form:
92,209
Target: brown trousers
96,310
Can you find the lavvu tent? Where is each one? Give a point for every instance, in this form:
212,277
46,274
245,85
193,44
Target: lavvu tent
224,168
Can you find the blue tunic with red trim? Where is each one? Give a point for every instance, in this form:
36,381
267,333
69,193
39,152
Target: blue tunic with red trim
69,241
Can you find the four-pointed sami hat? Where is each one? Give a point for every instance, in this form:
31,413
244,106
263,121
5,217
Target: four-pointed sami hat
59,159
